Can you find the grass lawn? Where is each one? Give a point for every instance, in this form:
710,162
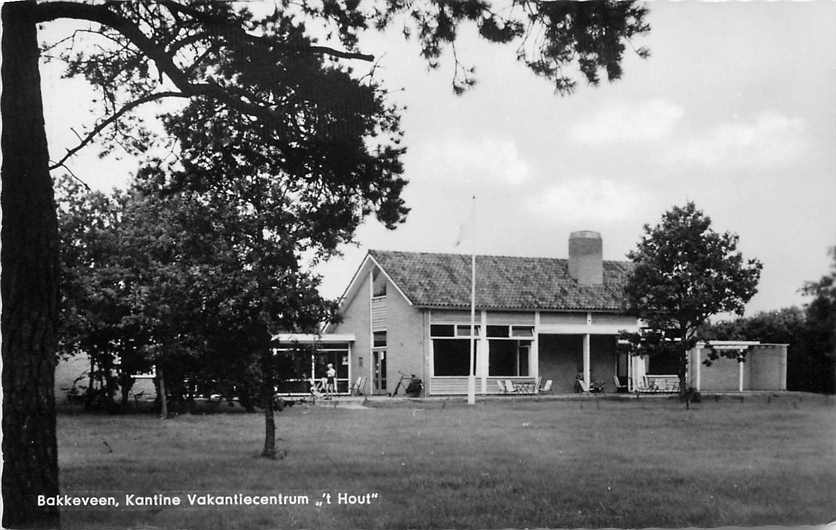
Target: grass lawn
499,464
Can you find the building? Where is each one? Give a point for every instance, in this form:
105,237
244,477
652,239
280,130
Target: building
746,365
542,318
536,319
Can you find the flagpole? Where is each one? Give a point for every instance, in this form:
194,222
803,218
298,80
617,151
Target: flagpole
471,379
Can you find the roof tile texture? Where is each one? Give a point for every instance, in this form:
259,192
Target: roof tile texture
502,282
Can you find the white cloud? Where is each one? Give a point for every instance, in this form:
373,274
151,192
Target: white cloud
585,199
473,159
644,121
768,140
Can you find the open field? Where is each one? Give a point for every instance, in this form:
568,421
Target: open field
499,464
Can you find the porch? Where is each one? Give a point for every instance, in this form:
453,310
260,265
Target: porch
515,354
301,361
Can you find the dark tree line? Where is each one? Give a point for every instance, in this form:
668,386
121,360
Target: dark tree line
809,332
152,281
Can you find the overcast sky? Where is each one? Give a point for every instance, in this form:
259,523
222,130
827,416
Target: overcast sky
733,110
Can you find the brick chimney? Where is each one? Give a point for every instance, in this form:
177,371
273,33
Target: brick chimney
586,257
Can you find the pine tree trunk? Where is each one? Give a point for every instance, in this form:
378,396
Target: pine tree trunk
29,281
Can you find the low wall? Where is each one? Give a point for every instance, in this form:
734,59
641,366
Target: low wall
764,368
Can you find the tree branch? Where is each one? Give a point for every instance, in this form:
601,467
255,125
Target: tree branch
224,27
70,171
110,119
164,61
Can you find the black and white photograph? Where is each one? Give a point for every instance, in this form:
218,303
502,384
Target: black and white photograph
418,264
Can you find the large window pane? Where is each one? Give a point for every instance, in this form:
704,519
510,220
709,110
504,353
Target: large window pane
508,357
293,371
450,356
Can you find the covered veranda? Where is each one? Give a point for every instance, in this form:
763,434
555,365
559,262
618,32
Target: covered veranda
582,362
302,359
528,350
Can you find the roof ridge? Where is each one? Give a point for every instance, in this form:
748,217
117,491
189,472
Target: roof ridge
426,253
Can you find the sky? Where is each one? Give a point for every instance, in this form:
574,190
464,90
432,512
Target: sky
733,110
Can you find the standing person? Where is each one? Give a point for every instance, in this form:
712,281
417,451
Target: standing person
331,380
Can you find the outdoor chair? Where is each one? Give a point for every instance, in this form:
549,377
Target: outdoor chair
547,387
581,384
317,389
359,387
501,386
619,386
509,386
646,385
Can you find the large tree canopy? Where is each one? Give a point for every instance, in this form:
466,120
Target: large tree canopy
684,273
270,77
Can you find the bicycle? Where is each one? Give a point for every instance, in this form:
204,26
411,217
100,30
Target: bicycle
413,386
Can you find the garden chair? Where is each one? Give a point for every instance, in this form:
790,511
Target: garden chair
359,387
317,389
501,386
546,387
581,384
644,385
509,386
619,386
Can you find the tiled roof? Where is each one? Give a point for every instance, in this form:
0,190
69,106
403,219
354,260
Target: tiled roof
502,282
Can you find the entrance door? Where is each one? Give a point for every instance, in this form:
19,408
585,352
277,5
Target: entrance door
621,361
523,350
379,368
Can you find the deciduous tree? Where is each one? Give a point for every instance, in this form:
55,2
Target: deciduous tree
684,273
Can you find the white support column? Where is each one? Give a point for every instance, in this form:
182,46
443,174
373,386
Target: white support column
534,353
371,333
739,373
696,365
483,354
586,375
428,362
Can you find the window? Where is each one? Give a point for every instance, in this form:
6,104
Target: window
442,330
379,339
463,330
378,284
522,331
508,357
451,356
497,331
